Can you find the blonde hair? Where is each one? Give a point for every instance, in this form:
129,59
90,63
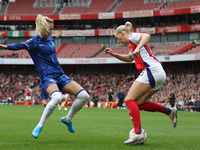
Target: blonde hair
42,26
128,27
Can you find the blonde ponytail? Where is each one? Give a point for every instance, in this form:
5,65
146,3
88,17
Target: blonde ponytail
128,27
42,26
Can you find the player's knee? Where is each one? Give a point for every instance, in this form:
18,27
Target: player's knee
83,95
56,97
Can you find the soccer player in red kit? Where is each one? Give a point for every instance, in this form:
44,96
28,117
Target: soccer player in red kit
28,95
64,100
152,77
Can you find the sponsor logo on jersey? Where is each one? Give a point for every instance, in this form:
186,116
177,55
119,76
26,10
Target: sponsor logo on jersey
51,80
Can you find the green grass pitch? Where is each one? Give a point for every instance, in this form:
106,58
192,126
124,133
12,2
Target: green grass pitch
95,129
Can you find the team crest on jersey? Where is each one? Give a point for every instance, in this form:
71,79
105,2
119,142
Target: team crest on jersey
51,80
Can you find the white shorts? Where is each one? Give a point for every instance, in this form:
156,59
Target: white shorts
154,76
28,97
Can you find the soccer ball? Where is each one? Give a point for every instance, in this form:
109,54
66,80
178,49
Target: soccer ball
132,132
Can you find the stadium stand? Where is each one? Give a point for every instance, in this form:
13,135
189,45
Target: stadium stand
88,50
47,7
183,49
129,5
121,50
20,7
45,3
100,6
194,50
79,50
166,49
73,10
183,4
44,11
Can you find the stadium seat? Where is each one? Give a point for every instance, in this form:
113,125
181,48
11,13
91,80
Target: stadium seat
100,6
193,50
183,4
166,49
120,50
129,5
43,11
20,7
73,10
79,50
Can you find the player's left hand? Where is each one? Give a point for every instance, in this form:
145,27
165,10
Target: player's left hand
136,53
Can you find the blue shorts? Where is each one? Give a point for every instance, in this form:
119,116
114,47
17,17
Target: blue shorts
61,81
44,95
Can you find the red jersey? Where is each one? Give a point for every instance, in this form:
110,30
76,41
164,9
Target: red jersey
28,92
146,57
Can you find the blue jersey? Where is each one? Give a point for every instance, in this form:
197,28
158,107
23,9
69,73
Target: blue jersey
42,52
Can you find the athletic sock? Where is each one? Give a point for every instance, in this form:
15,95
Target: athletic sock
153,107
134,113
55,99
82,98
60,103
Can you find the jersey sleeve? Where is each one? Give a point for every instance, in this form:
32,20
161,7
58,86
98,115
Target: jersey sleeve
16,46
135,38
30,43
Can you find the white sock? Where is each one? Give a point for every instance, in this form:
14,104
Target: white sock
56,97
82,98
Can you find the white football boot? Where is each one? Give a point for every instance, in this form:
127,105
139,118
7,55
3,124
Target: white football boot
135,139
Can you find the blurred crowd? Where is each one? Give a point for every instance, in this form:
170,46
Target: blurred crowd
13,55
186,87
12,86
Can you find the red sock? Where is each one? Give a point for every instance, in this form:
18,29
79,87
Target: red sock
134,113
60,103
153,107
66,104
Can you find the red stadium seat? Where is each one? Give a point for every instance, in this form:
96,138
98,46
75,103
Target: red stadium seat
43,11
166,49
183,4
120,50
79,50
20,7
130,5
73,10
100,6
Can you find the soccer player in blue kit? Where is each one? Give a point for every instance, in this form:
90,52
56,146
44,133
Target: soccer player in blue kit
53,79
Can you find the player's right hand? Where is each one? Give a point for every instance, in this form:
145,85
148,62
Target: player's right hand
108,51
3,46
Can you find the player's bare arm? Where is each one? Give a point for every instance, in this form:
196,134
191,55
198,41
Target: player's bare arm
122,57
3,46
